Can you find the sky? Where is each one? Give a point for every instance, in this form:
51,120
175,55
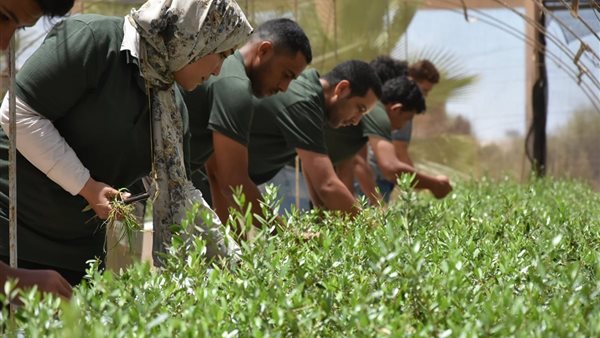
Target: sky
496,103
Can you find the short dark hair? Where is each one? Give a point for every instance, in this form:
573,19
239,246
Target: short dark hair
388,68
286,35
55,7
424,70
360,75
405,91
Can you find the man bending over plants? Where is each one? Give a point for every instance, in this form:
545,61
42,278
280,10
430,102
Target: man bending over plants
222,109
292,123
400,100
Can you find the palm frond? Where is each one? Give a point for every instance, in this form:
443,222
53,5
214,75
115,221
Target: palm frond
345,30
455,82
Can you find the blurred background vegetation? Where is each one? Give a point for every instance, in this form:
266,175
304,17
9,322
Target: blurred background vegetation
446,144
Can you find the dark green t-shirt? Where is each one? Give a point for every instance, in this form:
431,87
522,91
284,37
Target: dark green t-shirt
377,123
223,104
284,122
94,95
403,134
345,142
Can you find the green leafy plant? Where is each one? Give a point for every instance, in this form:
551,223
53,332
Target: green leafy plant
494,258
121,217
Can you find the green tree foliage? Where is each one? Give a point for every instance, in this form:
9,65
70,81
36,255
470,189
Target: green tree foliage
572,152
447,154
505,157
573,149
109,7
341,29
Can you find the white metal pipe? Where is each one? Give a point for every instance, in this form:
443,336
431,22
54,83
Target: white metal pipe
12,157
297,172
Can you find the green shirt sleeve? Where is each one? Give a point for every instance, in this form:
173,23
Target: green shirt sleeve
377,123
231,110
344,142
65,67
302,126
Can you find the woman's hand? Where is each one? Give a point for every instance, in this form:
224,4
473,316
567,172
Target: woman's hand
46,280
98,195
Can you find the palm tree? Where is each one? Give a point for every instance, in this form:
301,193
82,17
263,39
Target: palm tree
341,29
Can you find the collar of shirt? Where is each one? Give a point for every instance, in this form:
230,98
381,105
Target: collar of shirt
131,39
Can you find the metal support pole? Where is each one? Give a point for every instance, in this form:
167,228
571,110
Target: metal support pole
405,13
297,167
387,26
296,13
247,10
540,104
536,91
12,157
335,34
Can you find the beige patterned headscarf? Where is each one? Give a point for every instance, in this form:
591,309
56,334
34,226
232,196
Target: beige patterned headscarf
173,34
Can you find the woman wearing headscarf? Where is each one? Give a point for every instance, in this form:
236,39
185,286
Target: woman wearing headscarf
97,109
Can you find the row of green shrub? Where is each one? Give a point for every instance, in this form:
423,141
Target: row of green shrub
492,259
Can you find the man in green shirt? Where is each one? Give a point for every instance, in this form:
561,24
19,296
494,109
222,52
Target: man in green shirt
401,99
221,110
426,76
292,124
